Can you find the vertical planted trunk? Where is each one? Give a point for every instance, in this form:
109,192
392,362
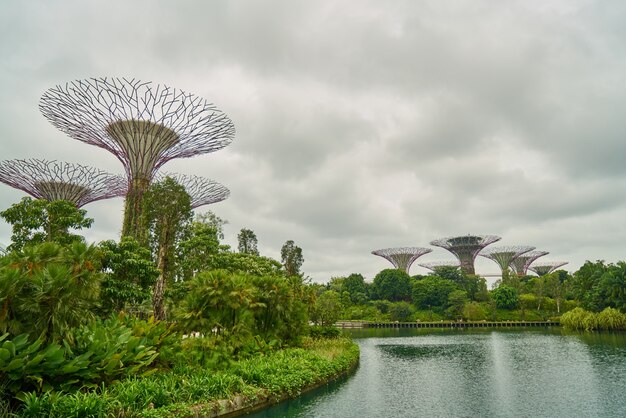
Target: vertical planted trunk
158,304
134,221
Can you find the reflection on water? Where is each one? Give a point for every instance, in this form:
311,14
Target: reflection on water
478,372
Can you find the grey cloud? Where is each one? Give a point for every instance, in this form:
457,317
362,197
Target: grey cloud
359,125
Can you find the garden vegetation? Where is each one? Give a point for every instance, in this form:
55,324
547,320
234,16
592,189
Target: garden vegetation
165,327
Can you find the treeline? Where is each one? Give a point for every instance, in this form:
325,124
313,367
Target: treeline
448,294
77,318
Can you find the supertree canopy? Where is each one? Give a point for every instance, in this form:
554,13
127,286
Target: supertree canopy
546,267
435,264
504,256
52,180
465,248
144,125
520,263
202,191
402,257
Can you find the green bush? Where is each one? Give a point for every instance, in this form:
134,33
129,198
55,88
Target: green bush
473,311
580,319
324,332
401,311
103,351
611,319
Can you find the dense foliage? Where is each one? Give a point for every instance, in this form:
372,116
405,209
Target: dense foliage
70,312
38,221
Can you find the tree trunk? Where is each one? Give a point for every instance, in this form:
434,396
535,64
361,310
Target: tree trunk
159,287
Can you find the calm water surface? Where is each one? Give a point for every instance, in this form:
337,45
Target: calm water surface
475,373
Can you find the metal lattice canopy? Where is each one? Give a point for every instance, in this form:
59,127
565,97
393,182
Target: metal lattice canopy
503,256
402,257
465,248
546,267
202,191
143,124
520,264
436,264
52,180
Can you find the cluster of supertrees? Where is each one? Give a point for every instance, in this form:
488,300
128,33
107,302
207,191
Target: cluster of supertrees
144,125
516,259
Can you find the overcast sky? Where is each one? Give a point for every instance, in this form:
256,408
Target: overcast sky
360,124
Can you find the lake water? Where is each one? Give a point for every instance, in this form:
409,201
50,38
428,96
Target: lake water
474,373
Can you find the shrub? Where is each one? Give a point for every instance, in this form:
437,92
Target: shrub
400,311
473,311
611,319
505,297
324,332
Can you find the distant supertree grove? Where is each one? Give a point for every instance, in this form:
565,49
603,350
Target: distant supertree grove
144,125
52,180
504,256
202,191
402,257
435,264
520,264
466,248
546,267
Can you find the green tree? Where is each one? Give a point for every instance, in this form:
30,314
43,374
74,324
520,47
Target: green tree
327,308
167,208
357,288
37,221
599,285
129,275
393,285
432,292
197,248
211,219
47,289
254,265
505,297
291,257
221,302
247,242
456,303
400,311
555,288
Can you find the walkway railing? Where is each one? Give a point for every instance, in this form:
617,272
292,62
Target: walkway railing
443,324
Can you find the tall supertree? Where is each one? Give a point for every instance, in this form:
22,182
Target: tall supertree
144,125
546,267
466,248
433,265
52,180
521,263
402,257
202,191
504,256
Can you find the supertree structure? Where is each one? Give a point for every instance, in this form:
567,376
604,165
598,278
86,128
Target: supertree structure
202,191
52,180
436,264
402,257
546,267
520,263
465,248
504,256
144,125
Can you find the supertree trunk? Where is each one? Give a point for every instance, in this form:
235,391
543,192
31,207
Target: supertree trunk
134,220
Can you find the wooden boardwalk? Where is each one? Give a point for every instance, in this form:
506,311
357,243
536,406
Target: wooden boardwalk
441,324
